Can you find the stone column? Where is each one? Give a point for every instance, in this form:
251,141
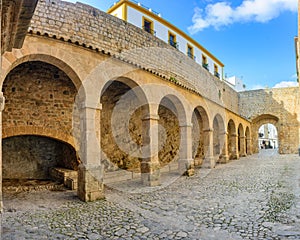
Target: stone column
242,152
234,153
2,103
225,156
186,162
150,166
248,146
209,159
90,172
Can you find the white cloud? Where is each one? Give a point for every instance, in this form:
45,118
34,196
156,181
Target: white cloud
257,87
222,13
286,84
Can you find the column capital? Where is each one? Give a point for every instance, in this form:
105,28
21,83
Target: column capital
150,117
90,105
208,130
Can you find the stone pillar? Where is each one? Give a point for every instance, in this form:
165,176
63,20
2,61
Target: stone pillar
150,166
248,146
186,162
242,152
225,156
90,172
234,153
2,103
209,159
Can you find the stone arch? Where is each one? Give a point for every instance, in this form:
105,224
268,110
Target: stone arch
169,138
177,106
232,140
200,122
39,131
248,141
62,61
39,99
219,135
258,122
124,105
178,144
33,156
241,141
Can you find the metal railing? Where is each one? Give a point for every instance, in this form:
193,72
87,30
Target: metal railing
205,65
217,74
149,30
173,44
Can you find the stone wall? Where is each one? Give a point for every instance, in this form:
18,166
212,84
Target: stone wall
38,95
86,26
169,138
279,106
32,157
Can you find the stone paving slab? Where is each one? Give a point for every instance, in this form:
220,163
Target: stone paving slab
256,197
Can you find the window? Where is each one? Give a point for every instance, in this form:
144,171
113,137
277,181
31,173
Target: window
204,62
216,71
190,52
172,40
148,26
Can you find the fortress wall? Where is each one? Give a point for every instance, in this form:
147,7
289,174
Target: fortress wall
282,103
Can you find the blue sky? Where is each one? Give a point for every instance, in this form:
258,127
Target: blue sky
253,38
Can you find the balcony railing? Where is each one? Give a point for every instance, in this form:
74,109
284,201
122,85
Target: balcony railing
149,30
217,74
205,65
191,56
173,44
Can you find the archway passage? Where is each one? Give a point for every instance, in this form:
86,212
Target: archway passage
267,137
200,123
219,139
232,140
241,141
260,121
123,108
169,139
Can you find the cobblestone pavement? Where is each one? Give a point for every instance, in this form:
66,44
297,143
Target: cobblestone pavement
256,197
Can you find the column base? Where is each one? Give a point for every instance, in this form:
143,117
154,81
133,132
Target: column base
150,173
234,156
209,162
224,159
90,183
198,162
186,167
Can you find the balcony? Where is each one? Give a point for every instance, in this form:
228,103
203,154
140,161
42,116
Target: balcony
217,74
205,65
149,30
191,56
173,44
